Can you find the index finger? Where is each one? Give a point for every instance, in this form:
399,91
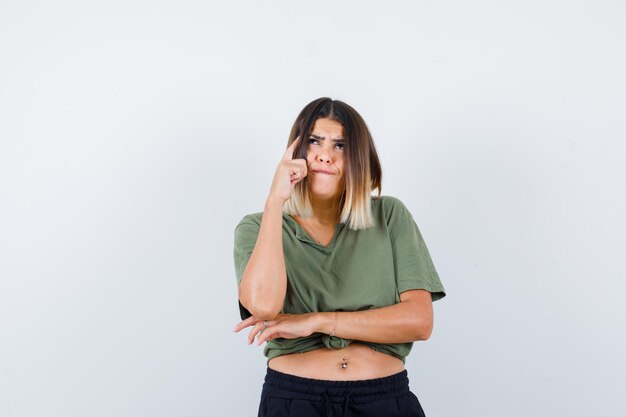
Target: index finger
245,323
289,152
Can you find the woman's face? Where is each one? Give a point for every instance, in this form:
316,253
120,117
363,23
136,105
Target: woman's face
326,158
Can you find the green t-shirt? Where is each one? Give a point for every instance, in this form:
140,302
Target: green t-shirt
358,270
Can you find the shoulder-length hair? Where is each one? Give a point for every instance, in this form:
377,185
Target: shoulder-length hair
363,172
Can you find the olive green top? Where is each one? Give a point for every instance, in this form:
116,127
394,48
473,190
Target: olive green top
358,270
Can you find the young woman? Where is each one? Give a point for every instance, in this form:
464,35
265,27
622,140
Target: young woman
337,282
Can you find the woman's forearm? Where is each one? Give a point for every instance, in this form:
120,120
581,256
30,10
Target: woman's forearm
399,323
264,282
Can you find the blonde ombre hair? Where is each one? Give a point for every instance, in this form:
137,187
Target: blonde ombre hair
363,172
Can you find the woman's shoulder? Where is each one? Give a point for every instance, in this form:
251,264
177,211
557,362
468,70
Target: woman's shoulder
254,219
251,219
391,209
388,203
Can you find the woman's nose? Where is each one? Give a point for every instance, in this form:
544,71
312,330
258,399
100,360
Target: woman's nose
323,155
323,158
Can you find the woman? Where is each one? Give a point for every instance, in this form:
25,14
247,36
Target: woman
337,282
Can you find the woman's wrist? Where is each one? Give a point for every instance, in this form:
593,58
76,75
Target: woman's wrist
327,322
274,201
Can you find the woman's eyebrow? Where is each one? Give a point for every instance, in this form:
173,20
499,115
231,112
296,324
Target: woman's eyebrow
322,138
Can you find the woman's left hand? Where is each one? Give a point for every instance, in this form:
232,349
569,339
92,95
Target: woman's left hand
288,326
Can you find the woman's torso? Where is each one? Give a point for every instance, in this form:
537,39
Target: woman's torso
362,363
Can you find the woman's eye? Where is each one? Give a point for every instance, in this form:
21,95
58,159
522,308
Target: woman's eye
340,146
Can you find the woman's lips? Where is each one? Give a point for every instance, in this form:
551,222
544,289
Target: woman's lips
323,172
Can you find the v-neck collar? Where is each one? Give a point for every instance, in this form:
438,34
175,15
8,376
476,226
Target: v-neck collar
304,236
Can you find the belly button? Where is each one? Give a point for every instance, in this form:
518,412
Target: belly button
344,363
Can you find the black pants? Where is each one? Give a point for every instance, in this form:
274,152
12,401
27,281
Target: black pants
286,395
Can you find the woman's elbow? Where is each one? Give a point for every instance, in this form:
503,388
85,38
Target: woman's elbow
424,330
262,311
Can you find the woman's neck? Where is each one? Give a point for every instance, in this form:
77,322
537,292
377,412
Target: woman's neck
325,211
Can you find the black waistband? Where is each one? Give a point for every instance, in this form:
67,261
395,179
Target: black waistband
363,390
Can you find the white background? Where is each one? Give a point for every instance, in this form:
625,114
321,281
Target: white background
134,135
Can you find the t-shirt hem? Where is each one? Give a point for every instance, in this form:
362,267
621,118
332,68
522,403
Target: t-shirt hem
371,346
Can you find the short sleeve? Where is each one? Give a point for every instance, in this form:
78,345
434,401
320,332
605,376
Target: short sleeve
414,267
246,233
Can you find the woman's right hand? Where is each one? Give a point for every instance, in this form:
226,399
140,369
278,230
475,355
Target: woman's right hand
288,173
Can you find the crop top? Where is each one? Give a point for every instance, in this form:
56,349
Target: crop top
358,270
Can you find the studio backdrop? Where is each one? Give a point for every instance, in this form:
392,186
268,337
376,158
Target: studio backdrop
135,135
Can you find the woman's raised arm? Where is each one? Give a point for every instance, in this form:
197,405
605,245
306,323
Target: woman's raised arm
264,283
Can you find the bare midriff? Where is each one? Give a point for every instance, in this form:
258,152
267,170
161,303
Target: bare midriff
355,361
